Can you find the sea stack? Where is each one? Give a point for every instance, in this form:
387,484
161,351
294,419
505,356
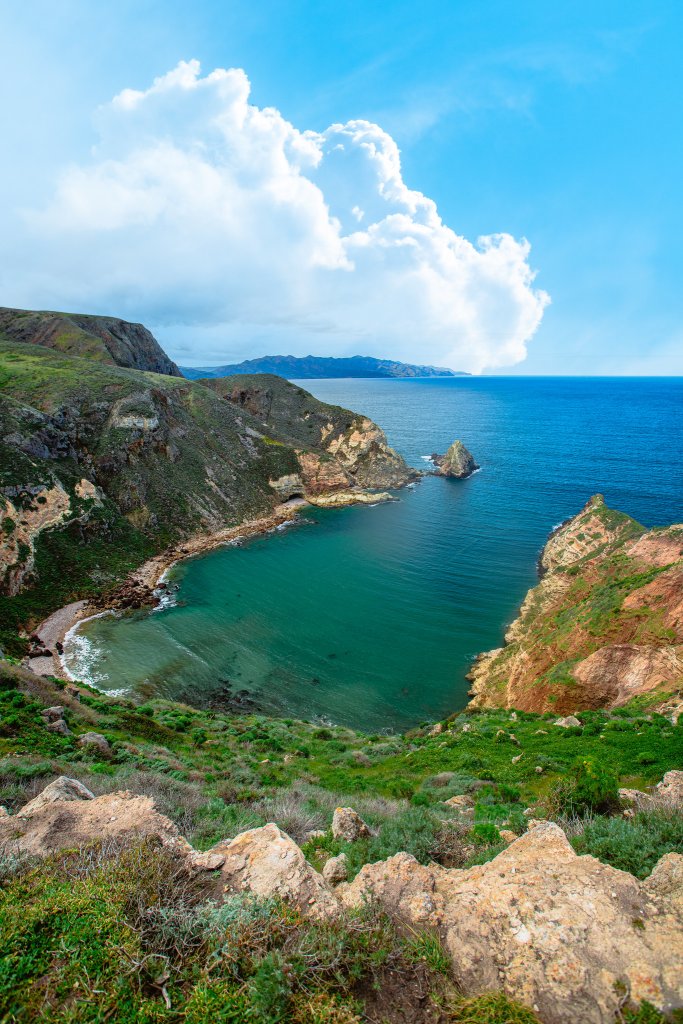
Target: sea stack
458,462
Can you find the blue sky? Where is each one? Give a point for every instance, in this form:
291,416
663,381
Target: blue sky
558,123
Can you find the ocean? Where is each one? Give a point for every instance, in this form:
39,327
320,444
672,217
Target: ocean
371,616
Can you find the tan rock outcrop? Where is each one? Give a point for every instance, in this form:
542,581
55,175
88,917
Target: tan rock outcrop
564,934
38,508
267,862
348,825
66,815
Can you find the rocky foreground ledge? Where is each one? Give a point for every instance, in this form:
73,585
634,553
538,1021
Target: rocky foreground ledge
570,937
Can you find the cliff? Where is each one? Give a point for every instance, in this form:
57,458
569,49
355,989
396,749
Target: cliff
106,339
603,626
312,367
102,466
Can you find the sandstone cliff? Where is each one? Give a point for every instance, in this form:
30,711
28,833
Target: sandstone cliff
603,626
106,339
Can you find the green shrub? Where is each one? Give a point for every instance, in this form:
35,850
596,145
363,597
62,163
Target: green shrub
589,789
634,844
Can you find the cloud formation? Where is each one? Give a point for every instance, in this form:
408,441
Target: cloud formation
224,225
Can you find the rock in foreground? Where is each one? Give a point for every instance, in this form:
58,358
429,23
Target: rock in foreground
566,935
571,937
458,462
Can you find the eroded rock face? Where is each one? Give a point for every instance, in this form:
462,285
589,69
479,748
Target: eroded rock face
458,462
604,624
561,933
267,862
22,519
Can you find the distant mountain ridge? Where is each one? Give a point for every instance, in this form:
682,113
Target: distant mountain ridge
312,367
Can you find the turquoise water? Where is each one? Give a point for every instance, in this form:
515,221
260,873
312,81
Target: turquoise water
371,616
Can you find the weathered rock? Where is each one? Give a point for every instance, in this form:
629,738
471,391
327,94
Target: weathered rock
60,727
508,836
667,879
336,869
458,462
564,934
66,815
4,813
460,803
569,722
671,787
667,793
53,714
94,741
267,862
61,790
348,825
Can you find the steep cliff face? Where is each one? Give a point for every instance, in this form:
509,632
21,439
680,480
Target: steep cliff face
101,466
604,625
337,449
106,339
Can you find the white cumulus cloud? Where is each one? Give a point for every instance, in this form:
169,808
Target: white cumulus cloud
233,233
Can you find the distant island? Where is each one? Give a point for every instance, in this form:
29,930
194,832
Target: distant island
312,367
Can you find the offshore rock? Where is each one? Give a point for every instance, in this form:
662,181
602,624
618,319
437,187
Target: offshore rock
458,462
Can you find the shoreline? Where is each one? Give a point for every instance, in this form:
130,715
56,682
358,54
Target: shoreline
138,588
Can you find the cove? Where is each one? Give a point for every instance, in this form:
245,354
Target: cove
370,617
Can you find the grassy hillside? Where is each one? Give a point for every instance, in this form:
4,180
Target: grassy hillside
105,339
145,942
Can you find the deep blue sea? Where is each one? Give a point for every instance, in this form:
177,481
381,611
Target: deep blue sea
371,616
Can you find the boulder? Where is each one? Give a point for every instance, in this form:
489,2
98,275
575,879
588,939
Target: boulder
667,879
670,789
66,815
53,714
567,935
60,727
94,741
267,862
460,803
570,722
458,462
348,825
61,790
336,869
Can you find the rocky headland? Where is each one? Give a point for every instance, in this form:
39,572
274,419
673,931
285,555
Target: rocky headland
603,626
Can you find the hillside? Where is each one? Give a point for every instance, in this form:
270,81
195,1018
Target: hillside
106,339
103,466
604,625
316,367
211,867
